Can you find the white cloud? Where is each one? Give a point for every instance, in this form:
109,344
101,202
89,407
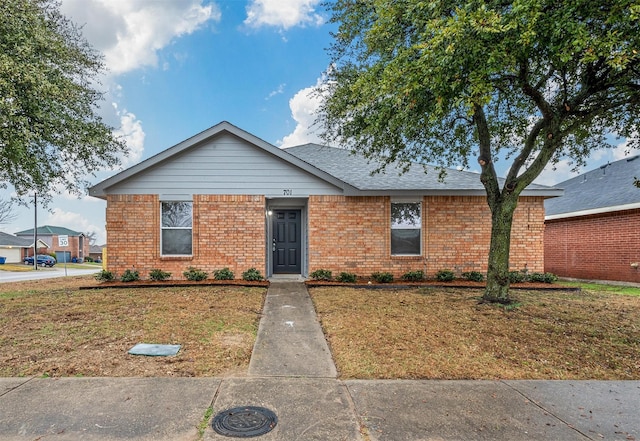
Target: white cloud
304,107
133,134
283,13
278,91
563,170
131,32
76,222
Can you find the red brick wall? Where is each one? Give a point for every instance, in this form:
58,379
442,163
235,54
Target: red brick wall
344,233
133,233
228,231
353,234
600,247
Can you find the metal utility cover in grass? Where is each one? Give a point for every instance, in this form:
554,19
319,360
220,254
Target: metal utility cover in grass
244,422
154,350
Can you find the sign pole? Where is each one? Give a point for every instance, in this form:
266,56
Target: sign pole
63,241
35,231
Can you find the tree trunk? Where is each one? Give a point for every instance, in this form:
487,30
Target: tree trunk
497,290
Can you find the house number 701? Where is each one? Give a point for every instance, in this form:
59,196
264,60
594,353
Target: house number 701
288,192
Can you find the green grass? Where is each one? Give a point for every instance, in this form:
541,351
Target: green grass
601,287
202,427
21,267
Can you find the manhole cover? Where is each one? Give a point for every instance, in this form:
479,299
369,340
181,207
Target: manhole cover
244,422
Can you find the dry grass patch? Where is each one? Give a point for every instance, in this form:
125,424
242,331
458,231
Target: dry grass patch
447,334
52,328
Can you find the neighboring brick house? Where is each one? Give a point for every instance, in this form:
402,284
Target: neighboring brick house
225,198
78,244
95,252
592,232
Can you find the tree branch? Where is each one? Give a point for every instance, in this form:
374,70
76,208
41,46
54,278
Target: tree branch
529,145
534,93
488,177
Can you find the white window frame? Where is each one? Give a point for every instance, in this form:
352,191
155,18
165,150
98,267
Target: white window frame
418,227
163,228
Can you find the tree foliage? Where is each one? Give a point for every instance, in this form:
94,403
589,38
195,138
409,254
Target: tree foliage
535,81
7,215
50,133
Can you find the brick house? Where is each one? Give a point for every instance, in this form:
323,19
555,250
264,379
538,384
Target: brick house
78,244
225,198
592,232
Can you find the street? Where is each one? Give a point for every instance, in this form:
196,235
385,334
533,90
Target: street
45,273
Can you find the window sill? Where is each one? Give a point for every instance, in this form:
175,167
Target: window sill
183,258
405,257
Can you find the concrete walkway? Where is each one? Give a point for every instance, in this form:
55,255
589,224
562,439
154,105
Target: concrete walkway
292,374
290,341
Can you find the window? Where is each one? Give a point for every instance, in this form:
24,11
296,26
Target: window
176,228
406,228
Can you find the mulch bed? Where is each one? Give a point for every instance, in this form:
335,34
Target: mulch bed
176,283
437,284
319,283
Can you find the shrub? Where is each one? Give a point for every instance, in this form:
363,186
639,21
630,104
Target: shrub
88,259
517,277
130,276
321,274
158,274
382,277
252,275
413,276
347,278
223,274
445,275
195,274
474,276
543,277
105,276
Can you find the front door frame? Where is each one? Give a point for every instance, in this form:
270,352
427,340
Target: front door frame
287,204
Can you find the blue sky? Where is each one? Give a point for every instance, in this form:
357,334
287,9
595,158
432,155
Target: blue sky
178,67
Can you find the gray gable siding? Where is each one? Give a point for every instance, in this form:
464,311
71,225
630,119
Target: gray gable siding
225,165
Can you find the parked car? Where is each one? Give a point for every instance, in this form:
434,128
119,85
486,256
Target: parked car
43,260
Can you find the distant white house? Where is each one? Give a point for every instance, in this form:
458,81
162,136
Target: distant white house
14,249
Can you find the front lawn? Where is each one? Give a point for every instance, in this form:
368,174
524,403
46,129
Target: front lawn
53,328
447,334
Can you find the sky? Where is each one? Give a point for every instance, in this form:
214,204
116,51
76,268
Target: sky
178,67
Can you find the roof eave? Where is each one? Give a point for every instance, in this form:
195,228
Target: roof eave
592,211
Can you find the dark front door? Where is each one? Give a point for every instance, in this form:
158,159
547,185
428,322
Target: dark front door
287,242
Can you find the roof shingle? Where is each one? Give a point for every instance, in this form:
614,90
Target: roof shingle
49,230
610,185
357,171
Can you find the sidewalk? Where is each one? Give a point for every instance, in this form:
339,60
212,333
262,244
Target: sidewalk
298,383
